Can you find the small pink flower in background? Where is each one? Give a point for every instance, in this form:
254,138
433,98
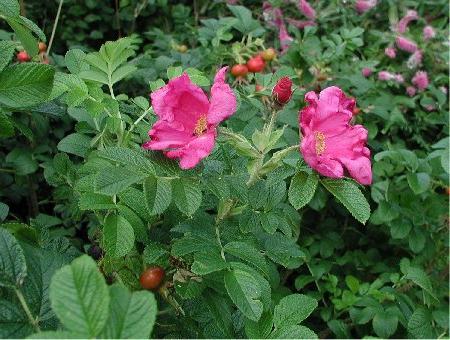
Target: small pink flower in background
428,32
366,72
186,128
390,52
399,78
329,142
363,6
415,59
404,22
420,79
385,75
411,91
306,9
429,107
300,23
406,44
285,38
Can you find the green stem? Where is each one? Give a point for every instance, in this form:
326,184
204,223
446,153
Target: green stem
222,253
24,304
58,13
12,171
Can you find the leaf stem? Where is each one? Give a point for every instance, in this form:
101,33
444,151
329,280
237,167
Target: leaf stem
24,304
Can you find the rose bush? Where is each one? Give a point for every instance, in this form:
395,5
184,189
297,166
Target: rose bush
224,169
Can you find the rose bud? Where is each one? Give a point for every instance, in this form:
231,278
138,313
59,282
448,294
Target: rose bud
282,91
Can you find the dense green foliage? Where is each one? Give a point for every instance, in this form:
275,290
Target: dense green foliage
254,243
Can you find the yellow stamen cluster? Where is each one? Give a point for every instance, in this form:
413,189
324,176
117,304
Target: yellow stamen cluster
320,142
201,125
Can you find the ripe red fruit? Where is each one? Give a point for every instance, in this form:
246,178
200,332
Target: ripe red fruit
23,57
151,278
282,91
42,47
256,64
239,70
356,110
447,191
269,54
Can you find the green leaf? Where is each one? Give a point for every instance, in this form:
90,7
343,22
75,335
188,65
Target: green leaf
122,72
55,335
385,324
302,189
79,297
174,71
93,201
132,315
125,156
4,209
197,77
7,49
350,196
352,283
13,267
112,180
158,194
420,278
419,324
245,291
75,143
15,324
260,329
6,126
293,332
10,8
23,33
249,254
187,195
220,311
75,61
22,161
25,85
419,182
118,236
207,262
293,309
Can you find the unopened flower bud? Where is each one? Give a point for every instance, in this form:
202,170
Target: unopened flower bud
282,91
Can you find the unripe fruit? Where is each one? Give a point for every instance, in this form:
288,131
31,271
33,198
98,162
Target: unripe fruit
23,57
256,64
259,88
42,47
151,278
269,54
239,71
182,48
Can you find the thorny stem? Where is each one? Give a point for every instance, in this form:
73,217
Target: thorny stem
58,13
24,304
222,253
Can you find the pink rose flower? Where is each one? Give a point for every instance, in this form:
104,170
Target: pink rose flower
406,44
300,23
420,79
366,72
385,75
306,9
411,91
363,6
329,142
415,59
399,78
186,128
428,33
390,52
404,22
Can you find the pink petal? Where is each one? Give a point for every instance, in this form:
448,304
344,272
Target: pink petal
359,168
180,100
223,100
332,100
167,135
197,149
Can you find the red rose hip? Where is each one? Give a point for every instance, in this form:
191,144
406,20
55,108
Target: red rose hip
23,57
151,278
239,70
256,64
